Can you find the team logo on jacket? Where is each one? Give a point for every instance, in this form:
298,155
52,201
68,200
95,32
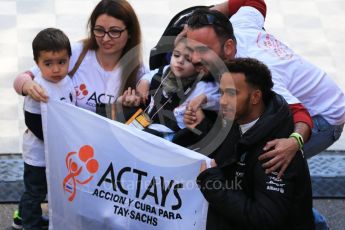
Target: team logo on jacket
274,183
81,167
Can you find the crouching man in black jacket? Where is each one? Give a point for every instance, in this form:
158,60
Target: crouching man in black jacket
240,194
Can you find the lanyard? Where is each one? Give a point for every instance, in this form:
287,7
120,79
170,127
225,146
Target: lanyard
186,92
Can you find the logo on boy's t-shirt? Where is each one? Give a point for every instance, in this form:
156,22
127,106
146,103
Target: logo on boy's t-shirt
81,166
81,91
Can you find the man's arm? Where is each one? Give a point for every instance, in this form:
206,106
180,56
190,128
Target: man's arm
282,151
269,207
230,7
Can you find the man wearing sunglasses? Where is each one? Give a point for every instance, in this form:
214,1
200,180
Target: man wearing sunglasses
304,86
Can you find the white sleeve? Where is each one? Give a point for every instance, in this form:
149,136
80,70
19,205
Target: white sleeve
211,90
148,76
143,70
30,105
248,16
280,86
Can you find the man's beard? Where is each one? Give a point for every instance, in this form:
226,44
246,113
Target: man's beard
217,68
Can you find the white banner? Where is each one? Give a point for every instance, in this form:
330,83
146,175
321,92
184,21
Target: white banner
105,175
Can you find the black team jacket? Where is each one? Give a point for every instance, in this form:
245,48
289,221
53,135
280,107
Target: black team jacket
241,195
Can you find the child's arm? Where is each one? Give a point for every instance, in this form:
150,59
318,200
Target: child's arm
143,90
197,102
34,123
208,96
211,92
143,85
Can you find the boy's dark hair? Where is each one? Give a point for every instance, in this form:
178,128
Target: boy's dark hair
256,74
220,23
50,39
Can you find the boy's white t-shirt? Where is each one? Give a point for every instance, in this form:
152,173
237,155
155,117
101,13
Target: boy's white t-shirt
94,85
297,80
33,148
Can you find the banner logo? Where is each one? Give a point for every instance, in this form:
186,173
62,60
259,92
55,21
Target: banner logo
81,168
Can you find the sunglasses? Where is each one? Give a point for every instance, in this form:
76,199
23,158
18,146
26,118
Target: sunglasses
206,19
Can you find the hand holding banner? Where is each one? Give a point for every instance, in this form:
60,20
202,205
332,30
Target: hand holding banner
105,175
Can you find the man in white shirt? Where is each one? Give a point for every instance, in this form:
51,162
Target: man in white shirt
303,85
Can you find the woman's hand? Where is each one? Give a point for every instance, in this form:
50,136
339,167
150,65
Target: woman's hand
129,98
143,90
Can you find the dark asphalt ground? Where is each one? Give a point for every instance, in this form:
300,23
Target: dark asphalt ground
332,209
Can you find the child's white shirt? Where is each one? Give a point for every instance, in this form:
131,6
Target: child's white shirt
33,147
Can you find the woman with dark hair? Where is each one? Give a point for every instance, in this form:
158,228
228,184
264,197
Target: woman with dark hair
103,65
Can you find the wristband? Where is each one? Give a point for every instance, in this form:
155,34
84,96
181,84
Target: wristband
298,137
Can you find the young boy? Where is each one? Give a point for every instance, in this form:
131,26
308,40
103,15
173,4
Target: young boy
173,88
52,51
